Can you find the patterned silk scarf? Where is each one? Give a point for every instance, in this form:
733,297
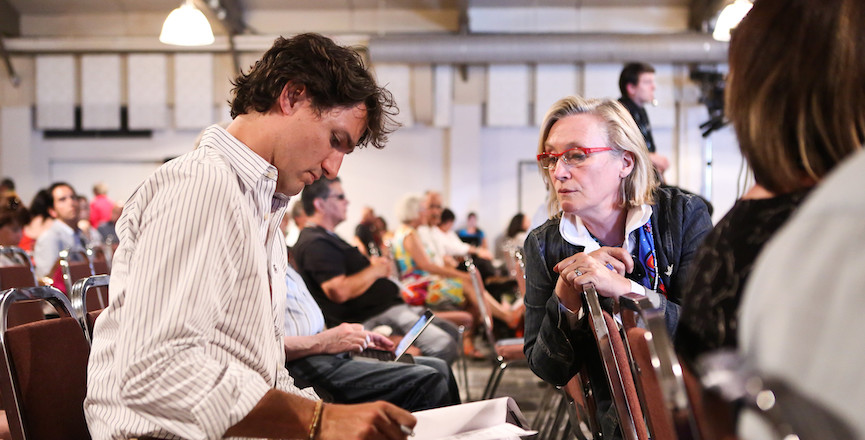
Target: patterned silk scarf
646,256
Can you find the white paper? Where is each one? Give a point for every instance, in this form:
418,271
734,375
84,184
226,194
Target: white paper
487,419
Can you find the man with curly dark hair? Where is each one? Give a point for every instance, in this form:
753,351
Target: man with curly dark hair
191,344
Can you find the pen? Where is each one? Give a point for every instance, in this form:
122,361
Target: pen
406,430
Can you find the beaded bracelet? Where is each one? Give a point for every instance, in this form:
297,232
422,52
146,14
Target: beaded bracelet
316,419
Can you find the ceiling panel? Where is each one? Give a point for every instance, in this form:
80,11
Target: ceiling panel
51,7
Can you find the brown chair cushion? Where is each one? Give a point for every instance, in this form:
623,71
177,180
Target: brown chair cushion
659,417
49,359
510,352
16,276
22,312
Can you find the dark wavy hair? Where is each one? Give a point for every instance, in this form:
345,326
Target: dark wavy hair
334,77
631,75
516,225
12,210
319,189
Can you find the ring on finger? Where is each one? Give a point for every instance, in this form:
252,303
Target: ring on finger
577,271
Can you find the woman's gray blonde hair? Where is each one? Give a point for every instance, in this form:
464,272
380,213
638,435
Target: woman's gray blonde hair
408,208
622,135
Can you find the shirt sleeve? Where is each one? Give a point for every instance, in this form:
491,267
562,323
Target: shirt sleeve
183,276
323,261
554,337
46,253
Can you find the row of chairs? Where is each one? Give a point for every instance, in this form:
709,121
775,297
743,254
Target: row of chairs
44,362
656,396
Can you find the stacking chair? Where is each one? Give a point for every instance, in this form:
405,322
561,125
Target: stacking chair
504,351
100,258
87,307
75,265
44,367
616,366
725,376
20,275
660,376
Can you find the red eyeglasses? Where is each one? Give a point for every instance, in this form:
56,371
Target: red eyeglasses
571,157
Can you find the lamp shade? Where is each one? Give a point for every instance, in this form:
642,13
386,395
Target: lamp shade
729,18
186,26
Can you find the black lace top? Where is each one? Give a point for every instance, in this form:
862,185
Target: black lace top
710,300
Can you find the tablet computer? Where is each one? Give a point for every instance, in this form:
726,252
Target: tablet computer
399,354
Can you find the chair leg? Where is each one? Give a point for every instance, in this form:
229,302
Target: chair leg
495,378
463,362
546,416
545,407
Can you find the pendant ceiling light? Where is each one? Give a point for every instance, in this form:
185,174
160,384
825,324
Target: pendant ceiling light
729,18
186,26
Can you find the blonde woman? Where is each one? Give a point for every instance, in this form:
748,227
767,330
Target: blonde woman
617,230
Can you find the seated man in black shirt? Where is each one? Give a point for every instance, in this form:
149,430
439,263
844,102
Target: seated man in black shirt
350,287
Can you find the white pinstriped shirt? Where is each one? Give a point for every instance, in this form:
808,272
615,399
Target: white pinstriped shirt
193,336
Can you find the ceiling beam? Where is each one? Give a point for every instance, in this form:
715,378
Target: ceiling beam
10,20
701,11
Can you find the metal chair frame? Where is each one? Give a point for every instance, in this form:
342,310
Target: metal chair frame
500,364
8,297
636,308
18,253
65,261
78,299
608,359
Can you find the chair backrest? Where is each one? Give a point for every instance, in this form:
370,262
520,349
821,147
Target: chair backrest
18,275
477,285
44,367
517,267
790,413
582,411
100,259
87,306
75,265
616,366
660,381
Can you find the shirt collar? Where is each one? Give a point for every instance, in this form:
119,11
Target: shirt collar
574,231
249,166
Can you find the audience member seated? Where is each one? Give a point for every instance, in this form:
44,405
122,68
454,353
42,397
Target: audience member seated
442,250
439,287
446,240
813,121
471,234
298,221
515,235
107,229
348,286
63,233
364,234
40,220
101,207
13,217
319,357
618,230
91,235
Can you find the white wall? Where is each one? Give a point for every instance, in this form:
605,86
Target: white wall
474,166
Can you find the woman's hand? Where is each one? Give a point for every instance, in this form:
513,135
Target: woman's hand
605,268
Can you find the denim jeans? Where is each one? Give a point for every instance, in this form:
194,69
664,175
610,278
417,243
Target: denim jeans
426,384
